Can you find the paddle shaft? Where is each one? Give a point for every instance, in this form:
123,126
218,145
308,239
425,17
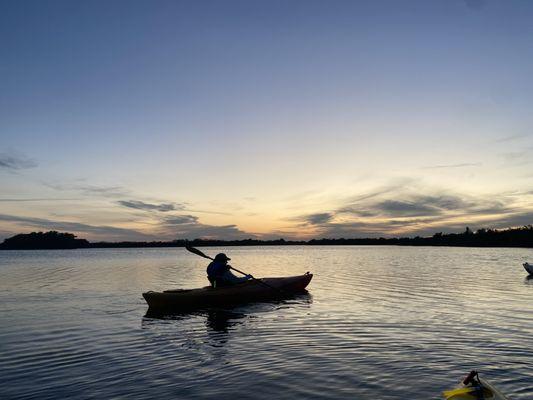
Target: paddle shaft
201,254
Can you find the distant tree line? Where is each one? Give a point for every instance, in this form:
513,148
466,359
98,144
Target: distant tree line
513,237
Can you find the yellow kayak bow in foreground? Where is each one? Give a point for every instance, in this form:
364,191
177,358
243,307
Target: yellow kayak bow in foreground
474,388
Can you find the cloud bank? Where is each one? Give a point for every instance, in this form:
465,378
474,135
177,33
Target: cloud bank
395,210
167,228
100,232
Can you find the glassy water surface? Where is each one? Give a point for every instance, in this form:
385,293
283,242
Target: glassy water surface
378,323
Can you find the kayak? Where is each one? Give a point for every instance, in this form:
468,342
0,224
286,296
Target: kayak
529,268
253,290
473,388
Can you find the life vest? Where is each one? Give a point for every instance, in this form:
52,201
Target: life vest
215,270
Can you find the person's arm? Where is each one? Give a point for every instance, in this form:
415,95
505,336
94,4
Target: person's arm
229,277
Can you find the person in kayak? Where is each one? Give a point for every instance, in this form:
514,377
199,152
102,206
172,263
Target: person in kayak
219,273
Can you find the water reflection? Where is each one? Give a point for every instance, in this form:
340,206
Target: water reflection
219,323
222,320
211,327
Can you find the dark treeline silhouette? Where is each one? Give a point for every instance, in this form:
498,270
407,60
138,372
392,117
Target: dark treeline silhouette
513,237
40,240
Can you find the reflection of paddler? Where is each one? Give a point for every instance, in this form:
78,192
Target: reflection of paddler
219,272
220,320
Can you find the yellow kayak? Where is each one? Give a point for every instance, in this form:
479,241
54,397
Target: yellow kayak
474,388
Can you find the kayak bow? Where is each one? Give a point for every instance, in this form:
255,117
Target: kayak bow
474,388
528,267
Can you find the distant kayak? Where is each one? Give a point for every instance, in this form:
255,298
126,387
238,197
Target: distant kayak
250,291
529,268
473,388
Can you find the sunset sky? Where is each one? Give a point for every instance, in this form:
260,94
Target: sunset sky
157,120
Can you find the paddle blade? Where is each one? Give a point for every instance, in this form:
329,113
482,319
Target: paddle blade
197,252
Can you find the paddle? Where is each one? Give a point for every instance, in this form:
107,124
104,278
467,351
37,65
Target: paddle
201,254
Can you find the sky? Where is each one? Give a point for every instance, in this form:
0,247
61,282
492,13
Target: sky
161,120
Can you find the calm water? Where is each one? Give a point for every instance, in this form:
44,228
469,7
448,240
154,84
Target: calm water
378,323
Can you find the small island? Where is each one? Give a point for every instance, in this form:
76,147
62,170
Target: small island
46,240
511,237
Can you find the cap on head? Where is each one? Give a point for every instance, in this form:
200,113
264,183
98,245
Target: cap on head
222,257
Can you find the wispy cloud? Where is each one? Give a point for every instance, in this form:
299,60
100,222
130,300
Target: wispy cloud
15,161
519,158
206,211
90,190
514,219
395,186
397,208
107,191
188,227
446,166
510,138
163,207
13,200
180,220
226,232
319,218
116,191
141,205
516,156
